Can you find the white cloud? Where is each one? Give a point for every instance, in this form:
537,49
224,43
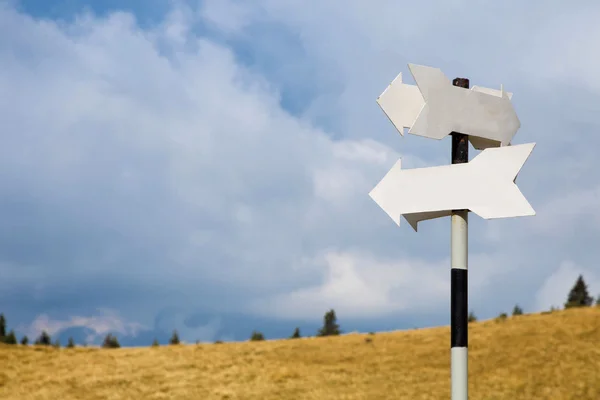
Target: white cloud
157,158
350,171
360,285
564,214
108,321
176,150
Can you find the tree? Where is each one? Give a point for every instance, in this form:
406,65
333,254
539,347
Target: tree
517,310
25,340
70,343
330,326
11,338
174,338
43,339
56,344
155,343
257,336
598,300
471,317
579,296
296,334
110,342
2,327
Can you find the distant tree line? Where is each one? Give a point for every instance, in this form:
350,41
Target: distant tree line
330,328
578,297
44,338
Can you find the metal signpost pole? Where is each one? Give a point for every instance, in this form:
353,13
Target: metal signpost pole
459,308
436,108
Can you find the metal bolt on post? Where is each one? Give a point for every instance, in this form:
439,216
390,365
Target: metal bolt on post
458,276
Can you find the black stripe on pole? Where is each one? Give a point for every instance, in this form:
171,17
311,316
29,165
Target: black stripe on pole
459,308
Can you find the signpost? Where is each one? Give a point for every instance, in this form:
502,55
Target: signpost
486,186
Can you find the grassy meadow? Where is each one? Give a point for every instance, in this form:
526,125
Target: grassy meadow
551,356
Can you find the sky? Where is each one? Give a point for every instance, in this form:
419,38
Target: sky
205,165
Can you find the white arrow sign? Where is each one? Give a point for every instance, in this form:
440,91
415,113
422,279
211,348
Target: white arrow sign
435,108
485,186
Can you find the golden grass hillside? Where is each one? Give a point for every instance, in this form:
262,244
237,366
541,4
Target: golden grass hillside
554,356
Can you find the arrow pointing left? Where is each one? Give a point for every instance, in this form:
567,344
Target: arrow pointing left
485,186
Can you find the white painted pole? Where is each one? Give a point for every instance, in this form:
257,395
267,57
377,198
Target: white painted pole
459,250
459,304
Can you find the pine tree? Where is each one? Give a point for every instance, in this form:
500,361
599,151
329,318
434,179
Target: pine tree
155,343
43,339
24,340
517,310
11,338
257,336
174,338
330,326
110,342
296,334
56,344
598,300
70,343
471,317
2,327
579,296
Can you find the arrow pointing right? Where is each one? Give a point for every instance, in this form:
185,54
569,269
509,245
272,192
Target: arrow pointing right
435,108
485,186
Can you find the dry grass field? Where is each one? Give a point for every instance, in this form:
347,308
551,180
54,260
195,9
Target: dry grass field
554,356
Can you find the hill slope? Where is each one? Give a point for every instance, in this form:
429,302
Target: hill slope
554,356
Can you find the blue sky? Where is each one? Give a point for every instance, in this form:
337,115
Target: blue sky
205,165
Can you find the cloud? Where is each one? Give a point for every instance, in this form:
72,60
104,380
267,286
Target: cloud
362,286
572,210
177,171
98,326
223,157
